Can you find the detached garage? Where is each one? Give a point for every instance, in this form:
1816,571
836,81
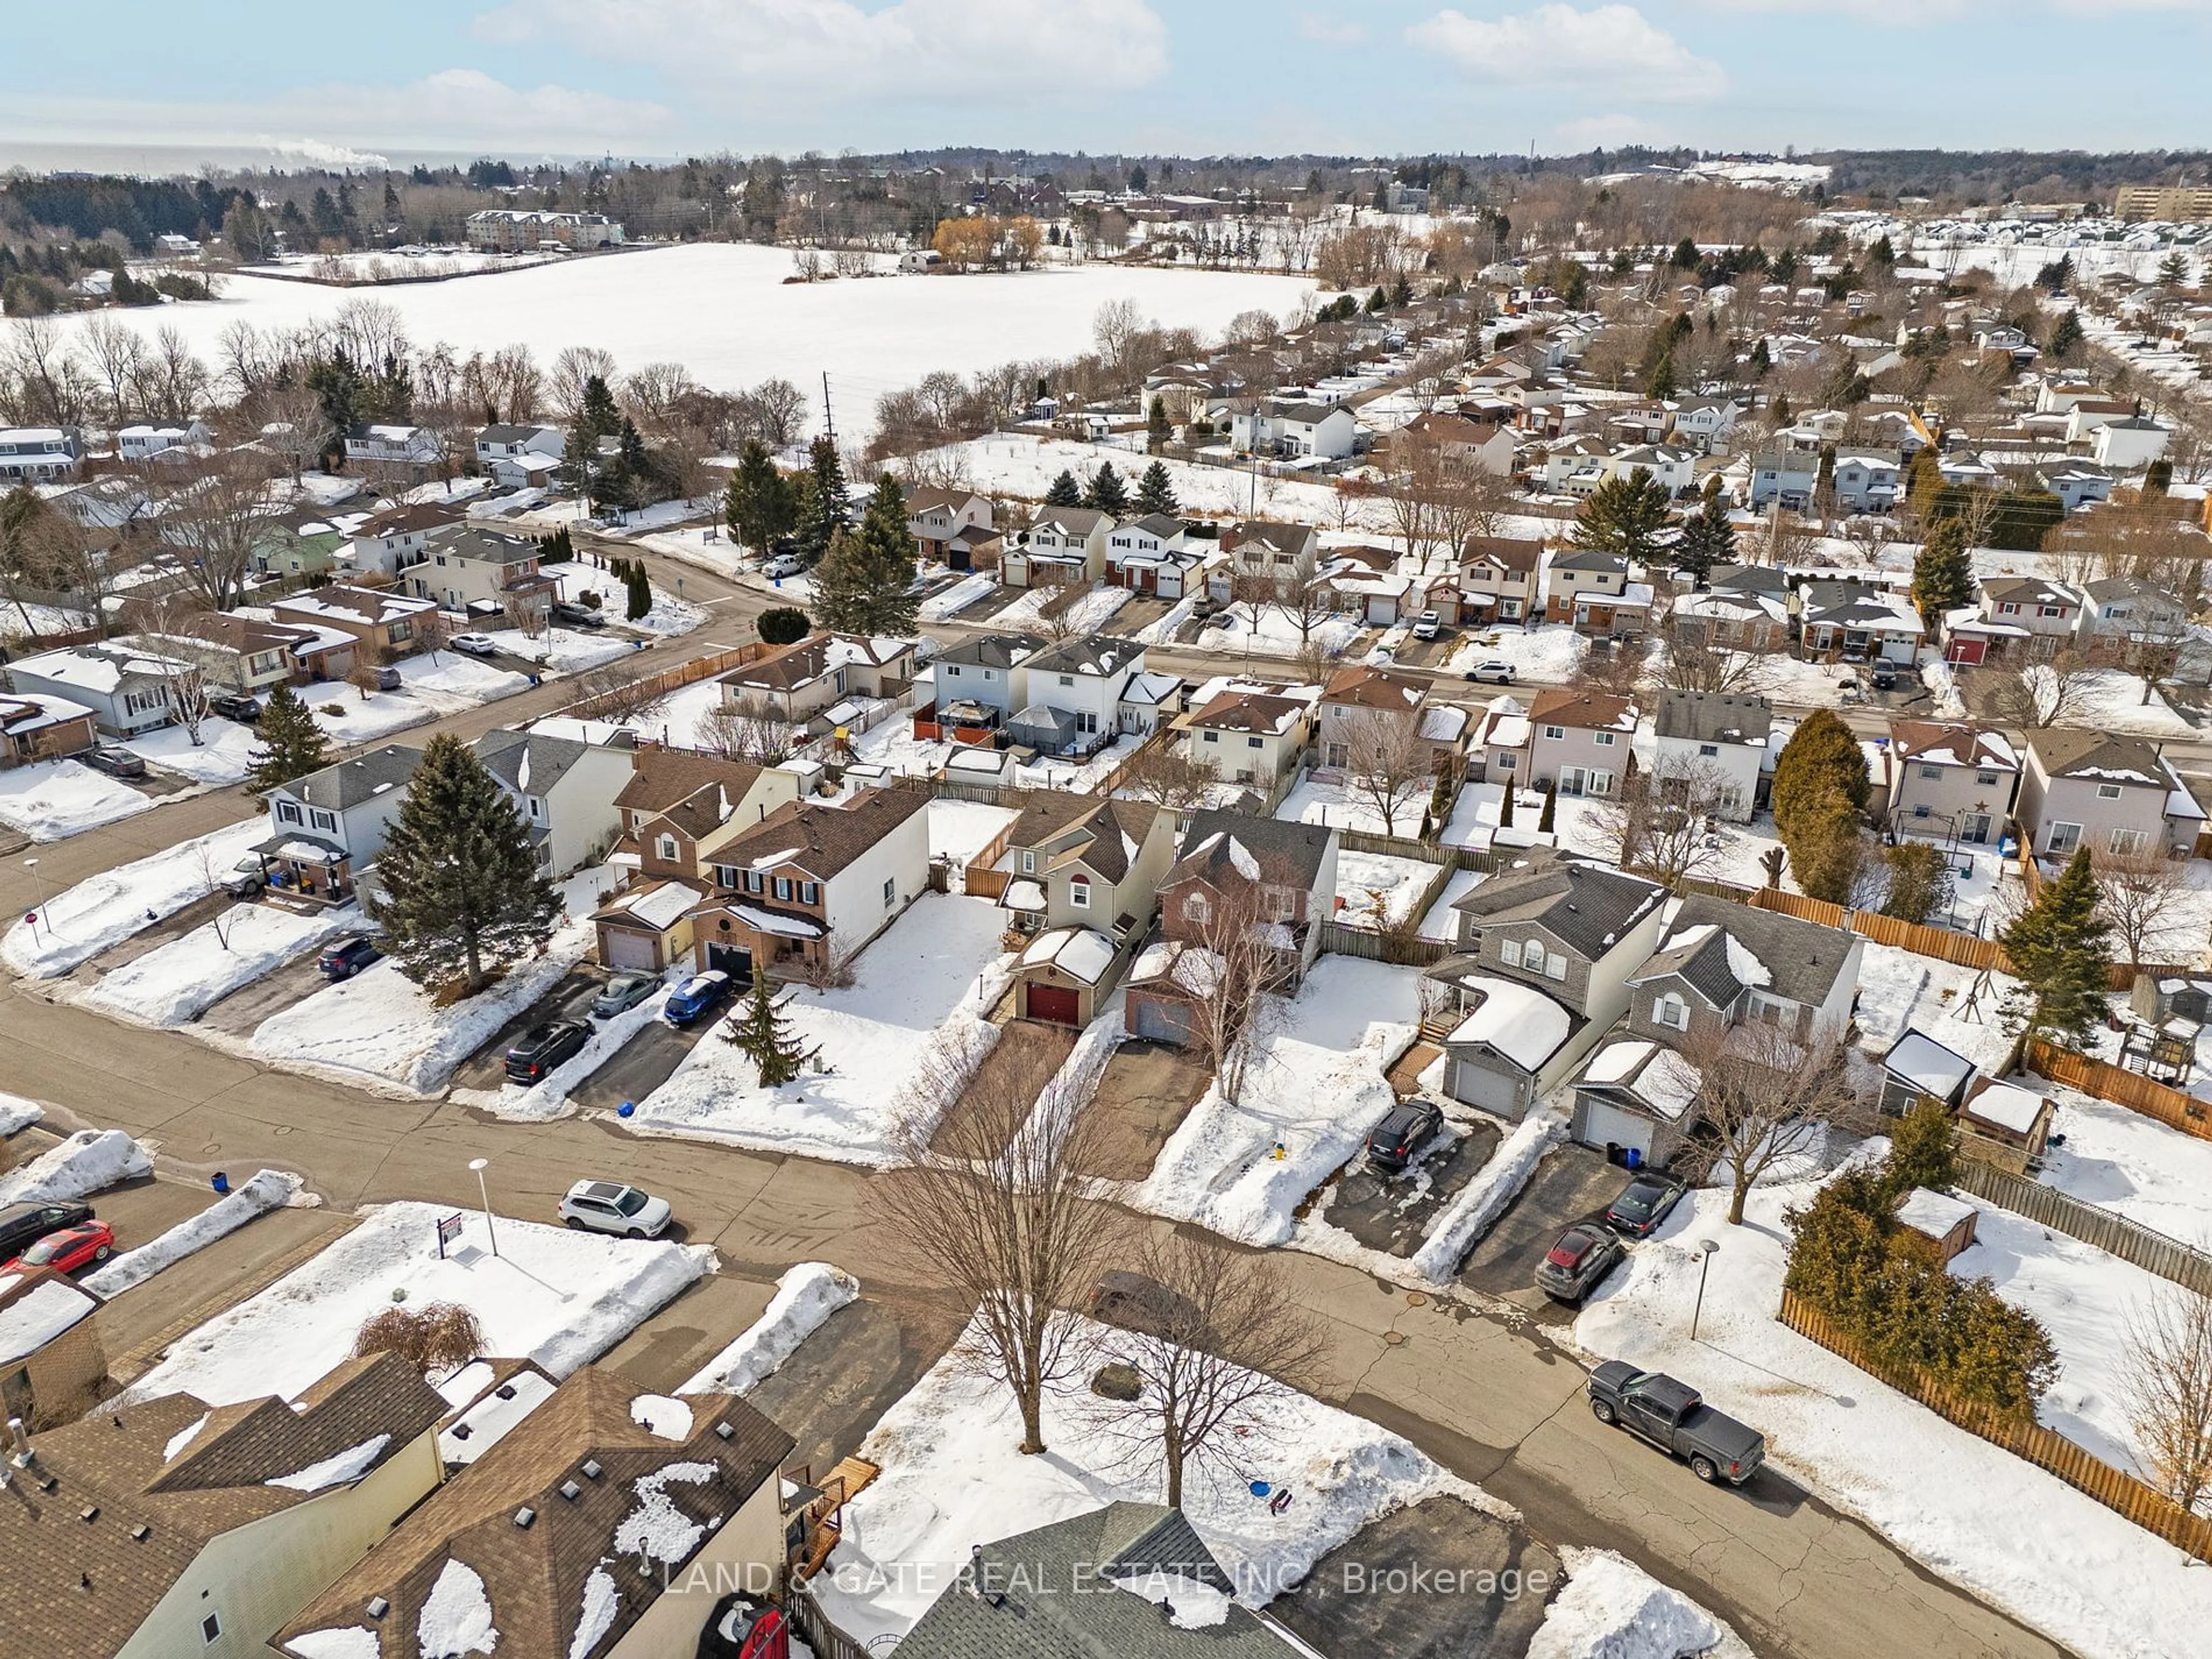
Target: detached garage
1061,973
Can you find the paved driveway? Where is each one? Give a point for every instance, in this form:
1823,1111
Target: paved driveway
1573,1183
1391,1211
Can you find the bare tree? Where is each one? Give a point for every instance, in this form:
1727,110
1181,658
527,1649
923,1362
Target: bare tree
368,669
1218,1351
995,1201
746,729
614,692
1695,662
2042,694
218,515
572,367
294,425
2166,1386
1661,824
526,613
1766,1096
1169,774
1388,764
1116,330
436,1337
2137,893
1230,961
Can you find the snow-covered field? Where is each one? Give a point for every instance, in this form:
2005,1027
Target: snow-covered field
1373,890
56,799
1015,464
550,1295
1342,805
177,981
931,970
444,685
724,310
1898,990
1315,1087
1547,656
953,1479
104,910
958,829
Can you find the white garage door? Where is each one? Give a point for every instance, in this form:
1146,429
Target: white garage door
1601,1125
1493,1091
629,951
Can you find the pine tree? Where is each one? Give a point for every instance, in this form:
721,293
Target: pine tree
760,1031
640,594
1401,291
1660,381
463,890
1377,303
1108,493
1158,428
288,744
866,584
2057,948
824,508
1708,539
1822,756
1923,482
1622,516
757,505
1064,491
1942,575
2065,337
1685,255
1155,492
1505,804
1549,819
1762,360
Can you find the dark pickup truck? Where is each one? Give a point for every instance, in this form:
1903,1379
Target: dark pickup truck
1674,1417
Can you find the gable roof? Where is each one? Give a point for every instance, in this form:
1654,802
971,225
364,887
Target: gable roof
1950,744
2098,755
1248,711
1585,907
2027,590
1510,552
1713,716
351,782
993,650
1798,959
1376,688
1073,522
1094,654
823,840
1289,854
1588,711
530,763
663,779
1103,836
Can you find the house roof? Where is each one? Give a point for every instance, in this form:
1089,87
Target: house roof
2027,590
1589,711
528,763
1713,716
1508,552
993,650
823,841
372,604
1591,560
364,777
1075,523
1749,578
1248,711
1376,688
1583,905
100,669
2098,755
651,1503
663,779
927,499
1940,745
1102,835
1095,653
1723,949
1162,525
474,544
1293,539
1291,854
500,433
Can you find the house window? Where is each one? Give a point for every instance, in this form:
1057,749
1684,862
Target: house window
756,882
809,893
1923,810
1079,893
210,1629
1554,734
1766,1010
536,807
2108,792
783,890
1986,780
1507,760
665,850
952,671
1555,966
287,813
1709,751
2065,838
890,891
2008,611
1252,743
1067,679
1603,739
2127,842
1028,862
1932,773
1671,1012
1508,952
1213,736
1280,903
1195,907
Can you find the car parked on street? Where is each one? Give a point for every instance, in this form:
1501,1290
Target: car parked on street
545,1046
1674,1417
235,705
696,998
1644,1203
614,1206
623,992
22,1225
474,645
113,759
1427,625
782,565
1404,1130
1578,1262
1496,671
248,879
67,1249
346,957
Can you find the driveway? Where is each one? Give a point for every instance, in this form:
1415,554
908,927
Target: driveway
241,1012
1573,1183
639,1065
1145,1091
1391,1211
571,998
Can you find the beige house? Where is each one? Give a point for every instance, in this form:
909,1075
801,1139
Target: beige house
51,1364
1942,780
380,621
1083,879
1355,701
1251,736
2112,794
816,673
1580,740
1500,579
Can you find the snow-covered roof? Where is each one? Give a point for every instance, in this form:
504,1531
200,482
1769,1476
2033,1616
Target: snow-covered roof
2009,1106
780,923
1081,953
659,907
1932,1212
487,1420
1927,1065
1022,896
1518,1021
33,1317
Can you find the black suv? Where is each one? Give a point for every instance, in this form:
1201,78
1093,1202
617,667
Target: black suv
347,957
22,1225
544,1046
1644,1203
235,706
1402,1132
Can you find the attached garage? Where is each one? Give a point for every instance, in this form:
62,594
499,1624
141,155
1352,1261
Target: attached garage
1160,1019
1060,1004
623,950
735,960
1061,972
1492,1091
1613,1130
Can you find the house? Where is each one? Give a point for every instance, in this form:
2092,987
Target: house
2121,612
247,654
1705,423
1148,555
2050,612
525,455
1724,740
1499,580
302,541
329,825
1252,736
39,454
392,447
1576,466
382,623
1234,869
2115,794
146,440
1047,1594
1579,741
2119,445
1939,780
1497,748
1083,883
1544,950
1484,447
392,544
1064,547
1757,622
1075,690
1592,592
488,573
197,1529
1355,700
1868,480
128,691
1859,623
1260,550
2077,483
1324,431
941,520
803,892
802,680
1673,469
38,728
603,1525
1789,476
564,788
982,683
52,1362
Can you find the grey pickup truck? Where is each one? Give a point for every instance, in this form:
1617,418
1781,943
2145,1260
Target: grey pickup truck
1674,1417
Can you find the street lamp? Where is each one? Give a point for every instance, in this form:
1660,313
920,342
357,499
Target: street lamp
479,1164
1705,1249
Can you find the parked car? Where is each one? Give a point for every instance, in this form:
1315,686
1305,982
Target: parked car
248,879
1138,1303
545,1046
1644,1203
235,705
113,759
474,645
1404,1130
612,1206
67,1249
1577,1263
577,615
623,991
1885,677
782,565
347,957
1425,625
1674,1417
695,998
1496,671
22,1225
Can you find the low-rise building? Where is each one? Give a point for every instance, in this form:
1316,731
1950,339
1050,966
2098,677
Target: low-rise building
1499,579
1083,879
2114,794
1937,780
39,454
392,447
804,680
950,524
1596,593
565,789
524,455
380,621
1251,736
330,824
128,690
144,439
1857,623
1716,746
1066,546
1294,430
1867,479
38,728
1580,741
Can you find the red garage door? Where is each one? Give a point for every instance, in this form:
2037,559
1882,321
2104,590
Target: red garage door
1054,1002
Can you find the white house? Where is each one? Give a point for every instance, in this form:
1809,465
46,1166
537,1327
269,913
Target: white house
520,456
144,441
1720,738
390,444
1075,689
2126,445
1066,544
329,825
1868,480
1251,735
129,691
1296,429
565,790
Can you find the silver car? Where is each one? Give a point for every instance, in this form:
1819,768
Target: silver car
612,1206
623,991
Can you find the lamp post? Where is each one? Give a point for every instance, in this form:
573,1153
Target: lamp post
1705,1249
479,1164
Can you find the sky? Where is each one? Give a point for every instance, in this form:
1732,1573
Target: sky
660,78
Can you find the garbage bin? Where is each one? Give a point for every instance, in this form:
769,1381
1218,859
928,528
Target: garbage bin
219,1181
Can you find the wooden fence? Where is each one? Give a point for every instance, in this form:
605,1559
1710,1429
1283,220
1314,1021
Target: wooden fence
1337,939
2132,1090
2116,1489
668,680
2153,1252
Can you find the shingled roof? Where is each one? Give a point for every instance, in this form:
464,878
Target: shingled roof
1586,908
823,840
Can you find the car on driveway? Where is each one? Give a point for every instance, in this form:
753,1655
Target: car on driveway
1426,624
235,705
474,645
1496,671
544,1046
613,1207
578,615
347,957
248,879
113,759
1674,1417
1644,1203
1577,1262
1404,1130
67,1249
22,1225
782,565
696,998
623,991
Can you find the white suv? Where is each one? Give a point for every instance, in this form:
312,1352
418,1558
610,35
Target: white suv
611,1207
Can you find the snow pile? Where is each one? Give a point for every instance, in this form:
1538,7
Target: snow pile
222,756
656,1530
548,1098
104,910
558,1297
345,1642
969,590
1313,1087
1191,1603
805,1298
64,797
17,1114
1483,1200
178,982
90,1161
656,1414
953,1479
271,1189
456,1618
342,1470
602,1600
1611,1608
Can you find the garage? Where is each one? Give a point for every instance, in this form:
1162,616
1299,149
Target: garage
628,951
1479,1085
1057,1003
1159,1021
734,960
1607,1128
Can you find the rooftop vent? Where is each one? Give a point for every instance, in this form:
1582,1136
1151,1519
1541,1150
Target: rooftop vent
725,1431
462,1430
505,1391
524,1516
378,1607
591,1469
141,1533
90,1512
570,1491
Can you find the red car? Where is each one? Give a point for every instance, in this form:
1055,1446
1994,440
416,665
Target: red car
69,1248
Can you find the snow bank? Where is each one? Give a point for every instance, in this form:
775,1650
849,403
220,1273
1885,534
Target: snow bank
1611,1608
17,1114
271,1189
101,911
548,1097
222,756
969,590
805,1298
177,981
90,1161
50,801
1483,1200
558,1297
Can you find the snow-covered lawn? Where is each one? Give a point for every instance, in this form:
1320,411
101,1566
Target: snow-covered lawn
952,1479
1342,804
1898,990
1070,776
563,650
56,799
1269,630
222,756
380,1026
431,686
2110,700
1475,814
2155,1176
556,1297
2062,1562
103,910
269,1190
1015,464
1548,655
1441,921
175,982
1315,1087
90,1161
1087,615
958,829
804,1297
1375,889
667,616
971,589
920,976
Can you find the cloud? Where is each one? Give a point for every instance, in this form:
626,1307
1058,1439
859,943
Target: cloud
1330,30
1609,51
315,153
1602,133
787,52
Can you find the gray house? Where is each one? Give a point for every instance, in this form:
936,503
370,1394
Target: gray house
1789,476
128,691
988,671
1868,480
2115,794
330,824
564,789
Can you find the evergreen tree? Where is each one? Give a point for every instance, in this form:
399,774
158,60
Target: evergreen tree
1155,492
2065,338
1922,1153
1708,539
758,504
782,624
1377,303
1401,291
288,744
1883,252
1505,804
823,508
865,586
640,593
1158,428
1942,575
1762,360
1821,759
1548,820
463,890
2057,948
761,1031
1685,255
1622,516
1107,492
1064,491
1922,482
1660,381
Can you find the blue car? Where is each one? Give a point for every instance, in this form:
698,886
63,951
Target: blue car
696,997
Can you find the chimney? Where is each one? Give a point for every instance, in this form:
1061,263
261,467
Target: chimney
21,1442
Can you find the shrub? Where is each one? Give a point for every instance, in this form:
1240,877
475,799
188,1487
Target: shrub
784,624
436,1337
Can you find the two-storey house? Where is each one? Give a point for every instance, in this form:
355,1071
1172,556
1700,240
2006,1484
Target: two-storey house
1150,555
380,621
1859,623
949,525
392,447
394,544
2115,795
329,825
144,439
1580,741
1356,700
1866,480
524,455
565,789
1252,736
1787,476
1500,579
1064,547
1294,430
1075,689
485,573
1083,879
39,454
982,683
1715,747
2077,483
1705,424
2122,616
2019,616
1939,780
1593,592
1260,550
811,677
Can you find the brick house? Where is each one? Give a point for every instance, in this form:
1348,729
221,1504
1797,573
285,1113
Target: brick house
1580,741
1499,580
383,622
1592,592
37,728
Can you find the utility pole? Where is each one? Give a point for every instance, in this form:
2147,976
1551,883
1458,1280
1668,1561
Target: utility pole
828,420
